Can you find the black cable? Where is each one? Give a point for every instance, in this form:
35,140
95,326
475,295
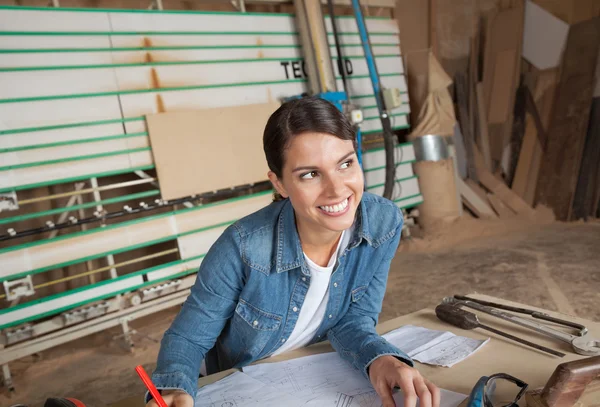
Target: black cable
340,60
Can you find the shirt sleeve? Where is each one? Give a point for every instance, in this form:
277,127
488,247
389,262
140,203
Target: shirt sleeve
202,317
354,337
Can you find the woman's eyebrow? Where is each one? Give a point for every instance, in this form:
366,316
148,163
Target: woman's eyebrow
307,168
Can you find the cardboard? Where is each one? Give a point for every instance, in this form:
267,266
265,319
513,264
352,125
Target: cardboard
210,149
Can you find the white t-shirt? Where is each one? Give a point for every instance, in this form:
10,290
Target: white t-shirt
315,304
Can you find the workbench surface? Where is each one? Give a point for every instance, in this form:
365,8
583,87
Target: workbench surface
500,355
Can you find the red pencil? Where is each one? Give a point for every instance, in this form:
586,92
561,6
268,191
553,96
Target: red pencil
150,386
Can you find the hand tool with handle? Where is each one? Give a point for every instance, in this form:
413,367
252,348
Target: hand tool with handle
582,344
467,320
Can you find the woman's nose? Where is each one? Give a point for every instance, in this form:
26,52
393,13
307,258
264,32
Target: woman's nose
335,185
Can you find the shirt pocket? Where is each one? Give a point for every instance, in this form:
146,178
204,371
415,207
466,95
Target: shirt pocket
358,292
254,328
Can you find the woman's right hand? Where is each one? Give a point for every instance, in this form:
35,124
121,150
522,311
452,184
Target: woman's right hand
174,398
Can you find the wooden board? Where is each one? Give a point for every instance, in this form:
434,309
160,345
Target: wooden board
501,73
502,210
209,149
499,188
566,134
474,202
484,140
531,154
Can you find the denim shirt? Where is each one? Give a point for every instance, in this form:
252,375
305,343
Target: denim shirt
251,285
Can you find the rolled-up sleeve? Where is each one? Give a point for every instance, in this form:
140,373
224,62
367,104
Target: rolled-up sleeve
202,317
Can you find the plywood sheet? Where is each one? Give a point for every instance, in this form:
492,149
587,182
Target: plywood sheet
198,151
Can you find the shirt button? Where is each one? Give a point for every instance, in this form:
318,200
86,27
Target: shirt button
330,316
283,340
303,278
335,284
255,323
295,309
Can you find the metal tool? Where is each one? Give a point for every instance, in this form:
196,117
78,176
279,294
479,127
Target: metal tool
582,343
460,318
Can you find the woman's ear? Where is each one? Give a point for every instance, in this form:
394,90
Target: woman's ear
277,184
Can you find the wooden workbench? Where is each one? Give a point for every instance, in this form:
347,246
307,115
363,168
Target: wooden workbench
499,355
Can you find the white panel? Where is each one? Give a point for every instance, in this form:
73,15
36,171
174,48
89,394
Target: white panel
544,37
378,176
375,124
145,103
359,52
385,65
69,151
55,252
43,59
131,57
370,101
410,202
54,112
53,136
373,39
46,306
374,25
234,22
402,189
198,243
376,159
53,41
140,159
195,75
49,20
46,173
220,213
363,86
51,83
201,40
172,270
373,112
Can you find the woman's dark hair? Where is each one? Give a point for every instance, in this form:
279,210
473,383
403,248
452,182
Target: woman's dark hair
307,114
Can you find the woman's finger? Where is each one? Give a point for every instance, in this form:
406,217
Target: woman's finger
408,389
385,393
423,392
435,393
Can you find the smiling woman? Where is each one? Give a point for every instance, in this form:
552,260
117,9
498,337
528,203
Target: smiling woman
311,266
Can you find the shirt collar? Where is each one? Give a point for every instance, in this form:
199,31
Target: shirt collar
289,249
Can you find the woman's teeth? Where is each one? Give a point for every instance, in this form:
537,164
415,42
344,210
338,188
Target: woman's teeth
335,208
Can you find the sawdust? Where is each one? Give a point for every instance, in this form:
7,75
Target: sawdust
467,230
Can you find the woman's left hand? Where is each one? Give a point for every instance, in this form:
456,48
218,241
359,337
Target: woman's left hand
387,372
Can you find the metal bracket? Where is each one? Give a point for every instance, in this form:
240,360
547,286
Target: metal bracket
158,290
83,314
18,334
22,287
8,201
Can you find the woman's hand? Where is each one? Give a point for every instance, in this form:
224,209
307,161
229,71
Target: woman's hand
386,372
174,398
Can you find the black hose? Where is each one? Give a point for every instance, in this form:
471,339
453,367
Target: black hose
340,60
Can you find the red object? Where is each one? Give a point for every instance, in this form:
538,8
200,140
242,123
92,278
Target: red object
150,386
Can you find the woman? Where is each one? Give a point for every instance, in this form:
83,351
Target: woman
309,267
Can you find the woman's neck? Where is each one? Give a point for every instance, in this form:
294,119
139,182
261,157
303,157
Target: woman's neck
318,245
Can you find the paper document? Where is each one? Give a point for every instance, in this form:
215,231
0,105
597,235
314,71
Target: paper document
433,347
326,380
312,375
241,390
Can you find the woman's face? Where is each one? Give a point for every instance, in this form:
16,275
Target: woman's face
323,180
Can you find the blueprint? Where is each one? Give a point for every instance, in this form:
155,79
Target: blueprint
240,390
326,380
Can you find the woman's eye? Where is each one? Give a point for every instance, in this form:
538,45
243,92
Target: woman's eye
346,164
309,175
